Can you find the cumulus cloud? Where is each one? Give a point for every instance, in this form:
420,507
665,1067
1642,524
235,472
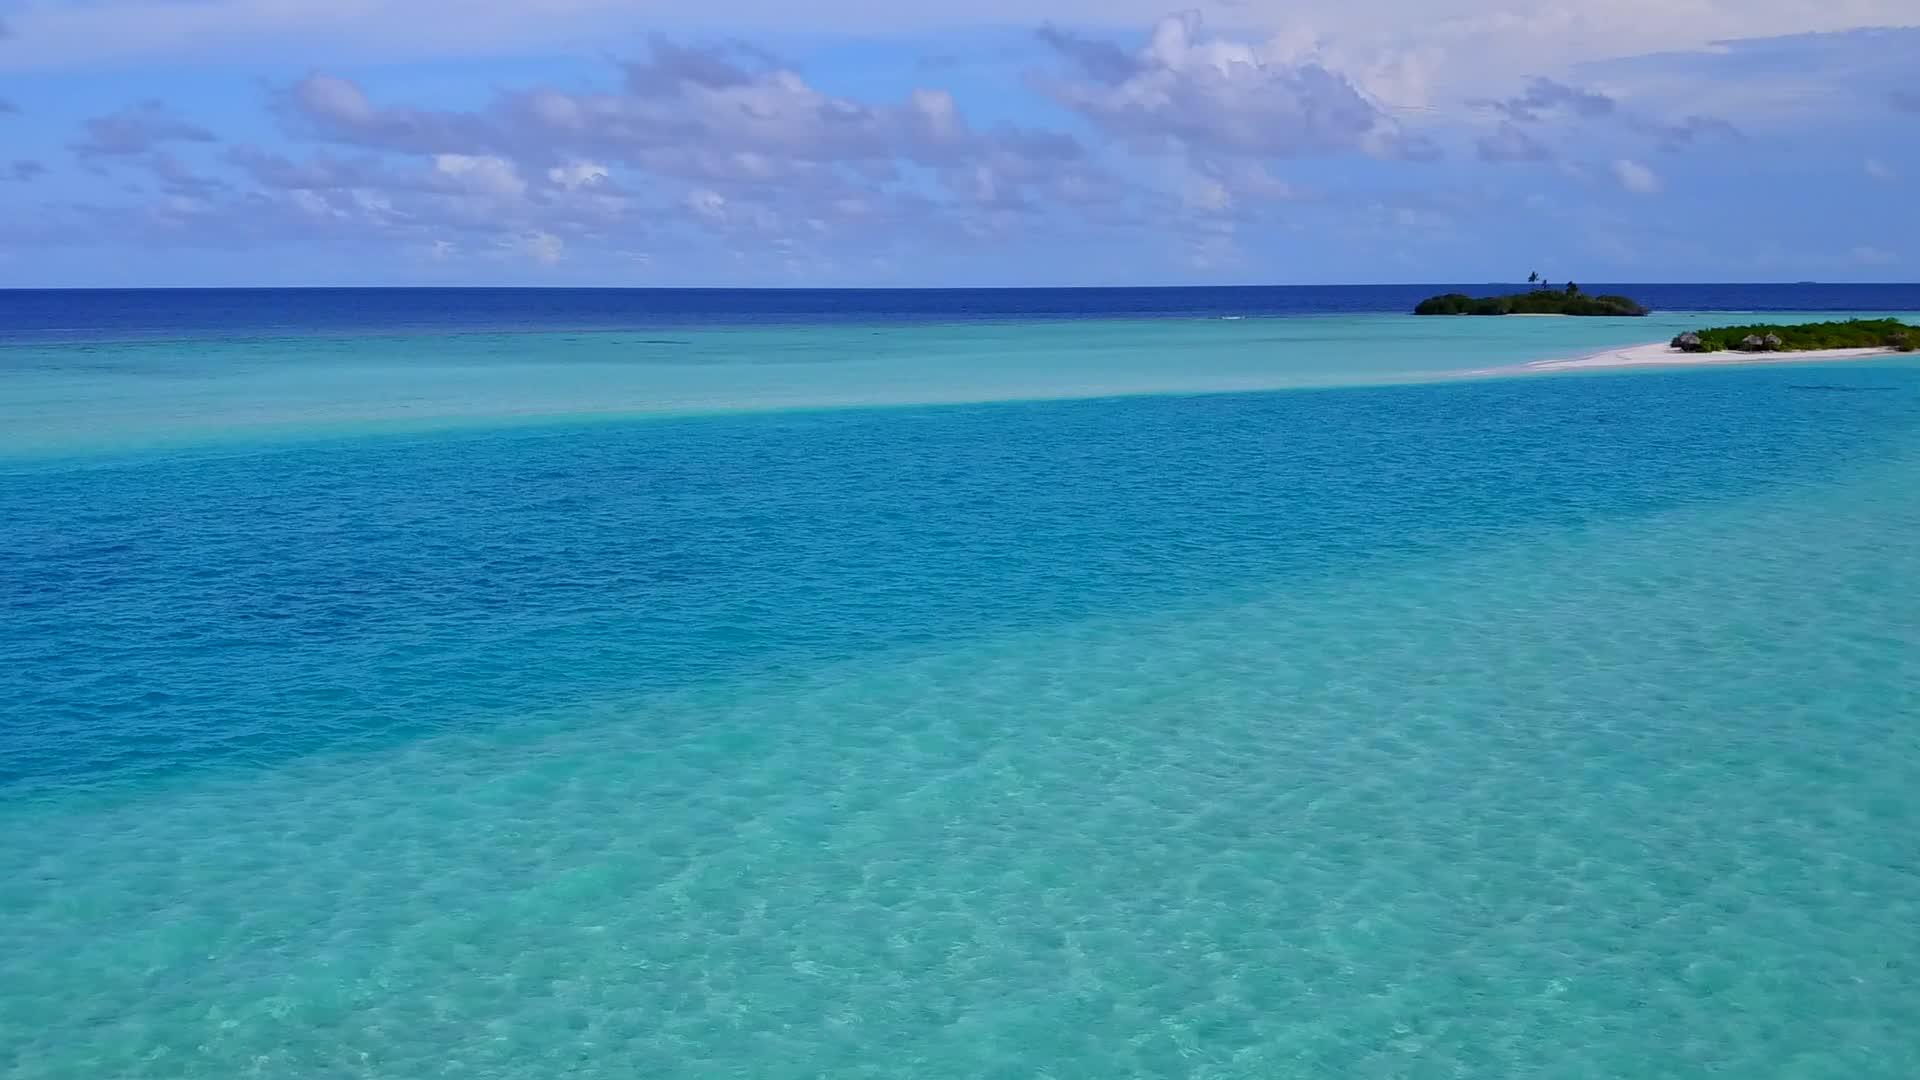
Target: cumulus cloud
1212,94
709,114
336,108
767,155
482,174
578,174
1636,177
714,116
138,129
477,193
726,151
1209,117
720,151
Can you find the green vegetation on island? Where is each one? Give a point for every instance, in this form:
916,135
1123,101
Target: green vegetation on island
1540,301
1771,337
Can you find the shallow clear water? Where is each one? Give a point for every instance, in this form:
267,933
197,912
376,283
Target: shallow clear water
1531,727
108,396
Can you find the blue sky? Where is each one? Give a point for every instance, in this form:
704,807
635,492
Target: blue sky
746,142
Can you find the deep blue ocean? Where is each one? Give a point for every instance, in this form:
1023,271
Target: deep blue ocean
117,314
1073,683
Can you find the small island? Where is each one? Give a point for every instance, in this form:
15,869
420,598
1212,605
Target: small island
1539,301
1803,337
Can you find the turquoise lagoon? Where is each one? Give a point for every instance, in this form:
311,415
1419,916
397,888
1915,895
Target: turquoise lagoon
395,706
118,395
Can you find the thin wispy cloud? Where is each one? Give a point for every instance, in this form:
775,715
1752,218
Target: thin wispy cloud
1688,131
1509,143
1546,104
1545,98
138,129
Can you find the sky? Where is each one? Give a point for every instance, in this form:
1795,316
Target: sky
990,142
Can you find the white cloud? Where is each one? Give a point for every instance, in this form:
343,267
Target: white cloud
334,97
1881,171
770,158
481,174
577,174
707,204
706,114
1218,94
1636,177
1189,127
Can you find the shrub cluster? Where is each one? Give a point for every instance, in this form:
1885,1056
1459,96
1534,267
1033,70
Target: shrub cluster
1847,334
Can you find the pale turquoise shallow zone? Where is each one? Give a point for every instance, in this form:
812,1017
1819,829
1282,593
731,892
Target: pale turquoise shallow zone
88,398
1543,728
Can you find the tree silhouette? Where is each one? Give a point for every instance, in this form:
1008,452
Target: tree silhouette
1533,278
1572,289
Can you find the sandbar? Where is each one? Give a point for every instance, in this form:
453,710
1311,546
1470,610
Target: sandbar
1661,354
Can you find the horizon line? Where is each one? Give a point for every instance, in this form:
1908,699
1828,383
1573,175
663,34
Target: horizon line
4,289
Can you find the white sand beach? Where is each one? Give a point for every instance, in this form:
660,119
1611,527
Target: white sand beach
1662,354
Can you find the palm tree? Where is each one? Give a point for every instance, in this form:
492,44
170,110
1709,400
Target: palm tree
1572,289
1533,278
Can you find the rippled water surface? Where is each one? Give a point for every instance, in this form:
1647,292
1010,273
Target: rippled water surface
1538,727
